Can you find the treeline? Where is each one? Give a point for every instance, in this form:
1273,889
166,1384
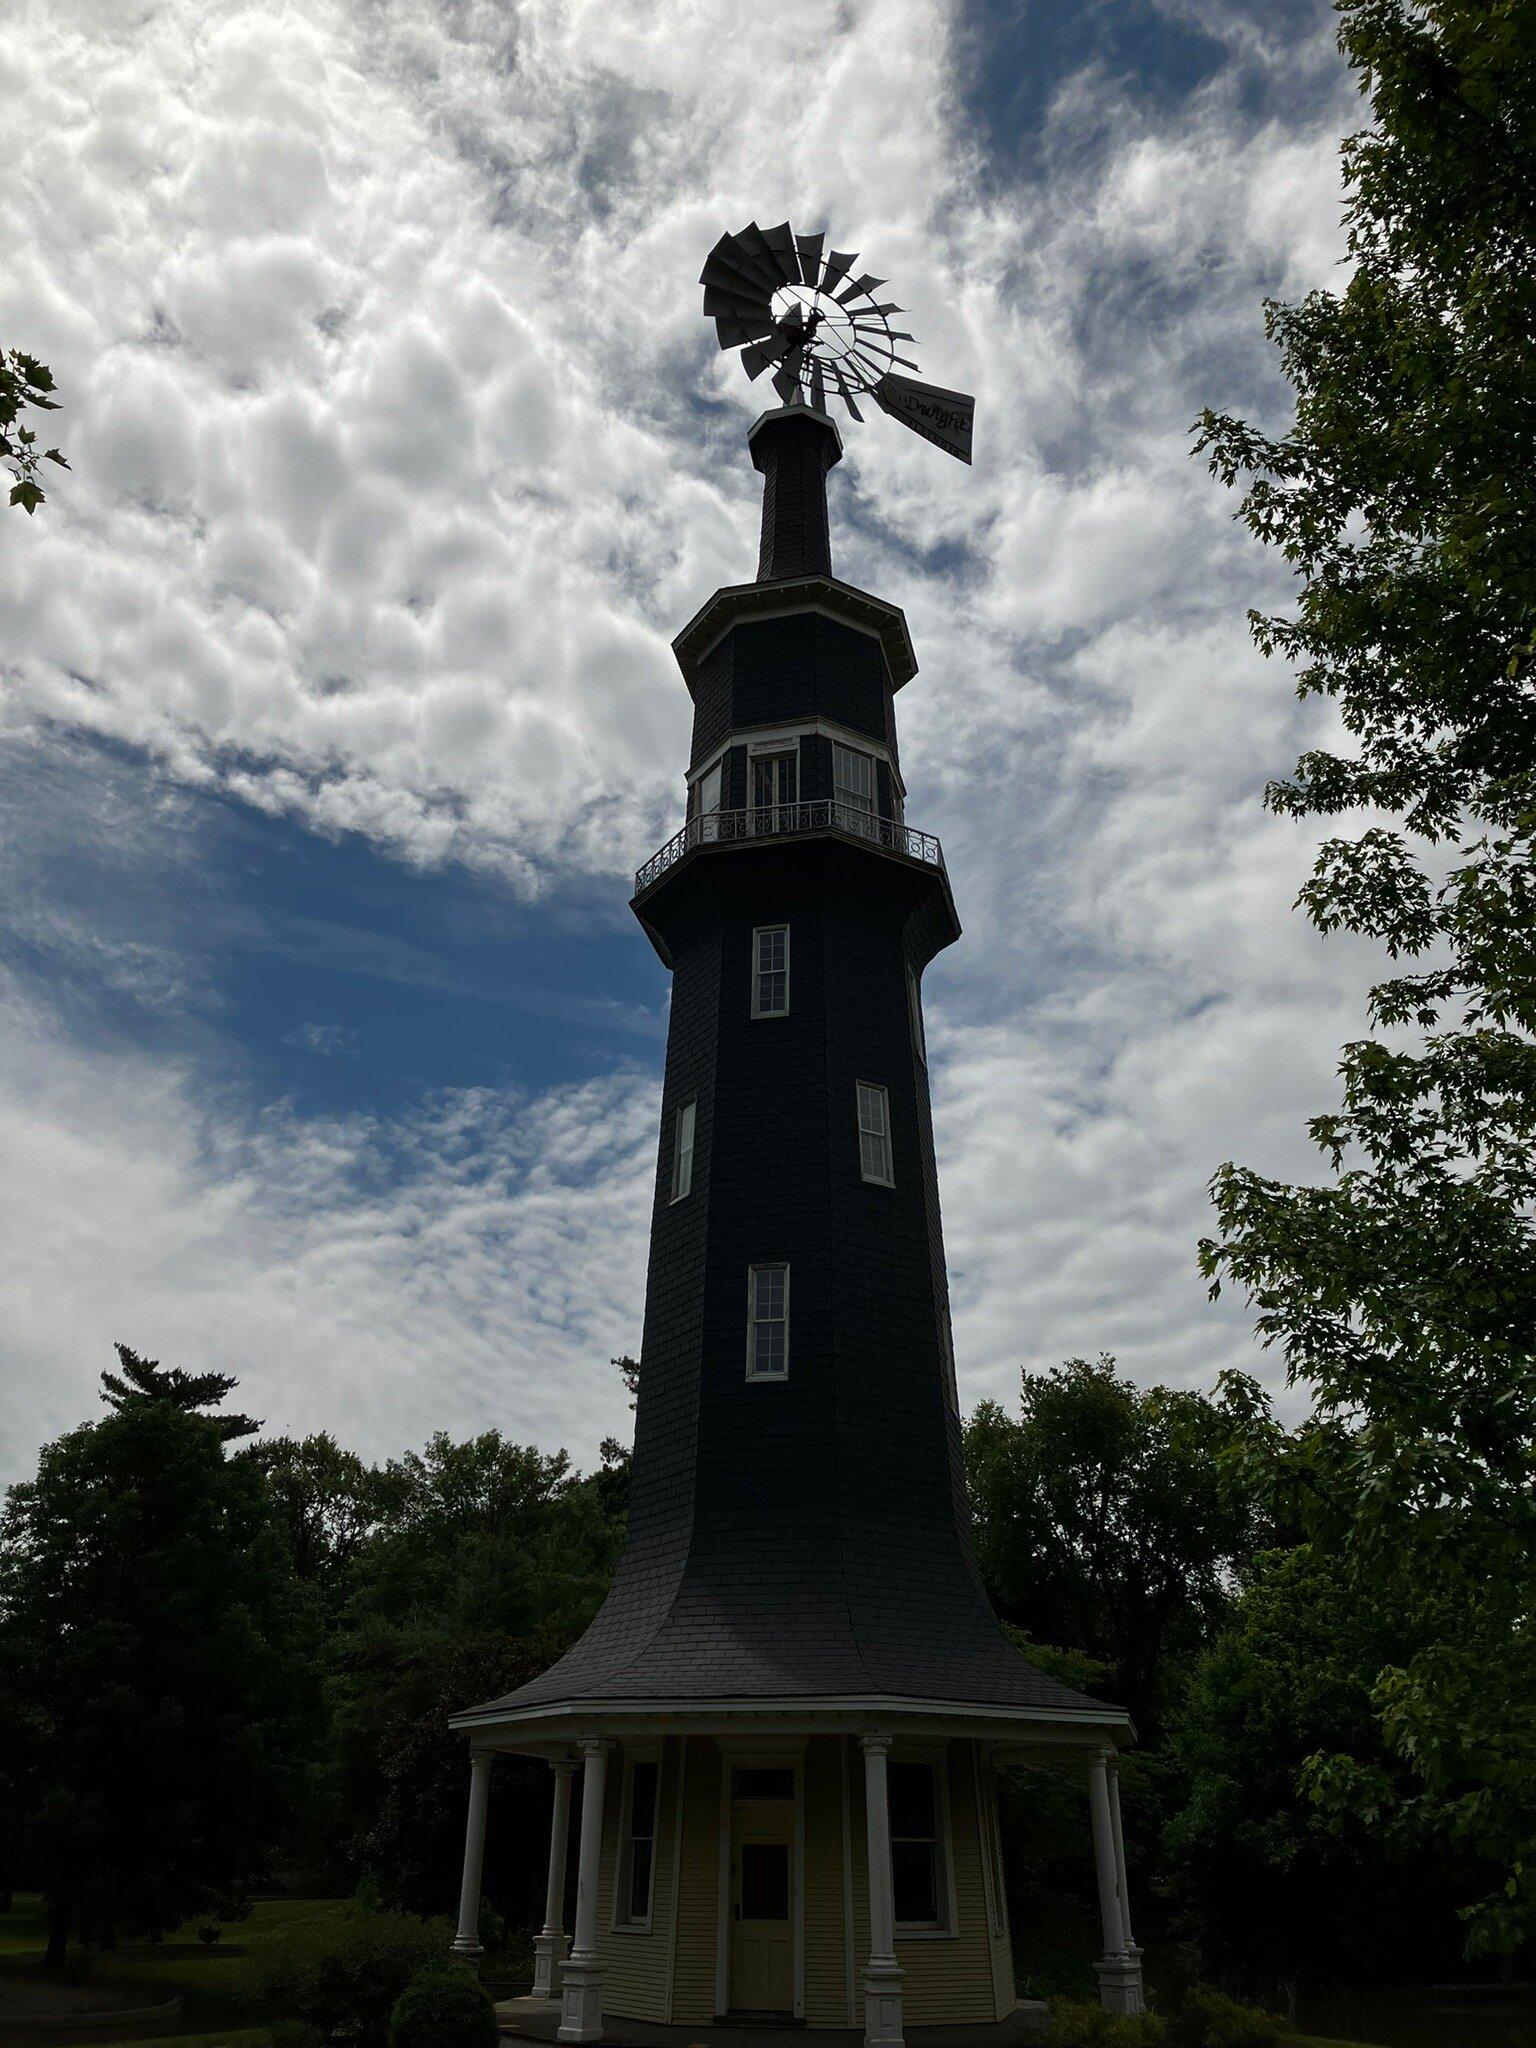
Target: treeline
227,1664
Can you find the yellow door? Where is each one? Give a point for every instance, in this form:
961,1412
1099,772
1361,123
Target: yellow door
762,1910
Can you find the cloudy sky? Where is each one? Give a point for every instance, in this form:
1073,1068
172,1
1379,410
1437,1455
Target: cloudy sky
337,700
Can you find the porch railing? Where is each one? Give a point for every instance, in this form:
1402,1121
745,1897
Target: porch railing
769,821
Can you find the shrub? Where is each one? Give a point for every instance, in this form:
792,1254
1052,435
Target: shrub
295,2034
1075,2023
1206,2019
344,1974
492,1929
208,1933
443,2007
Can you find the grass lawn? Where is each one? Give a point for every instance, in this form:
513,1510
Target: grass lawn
214,1984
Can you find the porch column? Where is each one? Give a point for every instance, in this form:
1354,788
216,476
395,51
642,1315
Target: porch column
467,1941
1119,1973
581,1981
549,1944
882,1973
1113,1768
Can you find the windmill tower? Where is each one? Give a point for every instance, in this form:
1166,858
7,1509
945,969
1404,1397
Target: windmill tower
788,1714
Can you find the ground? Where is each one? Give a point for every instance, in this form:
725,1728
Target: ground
213,1983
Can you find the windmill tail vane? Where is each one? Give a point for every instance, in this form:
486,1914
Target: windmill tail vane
805,312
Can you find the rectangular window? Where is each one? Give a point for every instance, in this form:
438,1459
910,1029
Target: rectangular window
682,1151
917,1867
637,1871
707,796
915,1007
875,1134
767,1322
853,778
770,971
775,783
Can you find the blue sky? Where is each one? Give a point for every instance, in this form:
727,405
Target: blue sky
338,706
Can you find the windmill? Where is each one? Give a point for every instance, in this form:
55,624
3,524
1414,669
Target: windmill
801,310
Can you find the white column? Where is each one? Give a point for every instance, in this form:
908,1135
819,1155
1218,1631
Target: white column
467,1941
882,1973
1122,1885
1119,1973
549,1943
581,1981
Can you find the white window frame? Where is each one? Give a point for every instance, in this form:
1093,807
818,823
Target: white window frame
753,1371
915,1005
682,1155
759,933
946,1927
881,1097
855,800
622,1923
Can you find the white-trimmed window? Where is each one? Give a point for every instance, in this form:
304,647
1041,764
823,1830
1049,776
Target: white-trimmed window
875,1134
682,1150
637,1845
915,1007
770,970
853,778
919,1878
768,1322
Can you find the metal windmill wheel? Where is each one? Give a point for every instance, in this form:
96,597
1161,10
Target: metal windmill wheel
793,307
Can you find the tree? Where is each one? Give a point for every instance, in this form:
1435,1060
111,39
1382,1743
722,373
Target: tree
1104,1521
157,1654
326,1499
1401,1292
24,382
488,1560
146,1379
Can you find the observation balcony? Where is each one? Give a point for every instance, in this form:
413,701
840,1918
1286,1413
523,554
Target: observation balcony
779,821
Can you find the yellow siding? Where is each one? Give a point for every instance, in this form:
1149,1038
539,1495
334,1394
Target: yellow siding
946,1979
826,1984
693,1969
636,1966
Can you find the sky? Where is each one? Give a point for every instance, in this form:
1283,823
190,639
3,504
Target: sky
337,706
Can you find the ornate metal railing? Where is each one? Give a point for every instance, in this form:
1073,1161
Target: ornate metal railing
769,821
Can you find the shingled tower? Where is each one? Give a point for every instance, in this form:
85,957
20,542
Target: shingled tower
788,1713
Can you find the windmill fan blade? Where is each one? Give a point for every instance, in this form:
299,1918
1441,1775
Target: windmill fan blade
845,394
943,417
750,268
755,244
838,267
734,305
756,359
729,268
735,333
809,247
786,379
866,285
781,240
818,387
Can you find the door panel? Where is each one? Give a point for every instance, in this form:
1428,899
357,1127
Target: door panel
762,1912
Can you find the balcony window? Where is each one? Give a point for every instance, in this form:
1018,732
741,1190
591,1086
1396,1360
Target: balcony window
775,790
853,783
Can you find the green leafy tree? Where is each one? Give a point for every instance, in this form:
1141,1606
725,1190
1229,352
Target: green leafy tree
1104,1521
156,1653
1402,1290
25,384
488,1561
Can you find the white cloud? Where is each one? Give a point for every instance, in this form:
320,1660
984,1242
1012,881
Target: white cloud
381,363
